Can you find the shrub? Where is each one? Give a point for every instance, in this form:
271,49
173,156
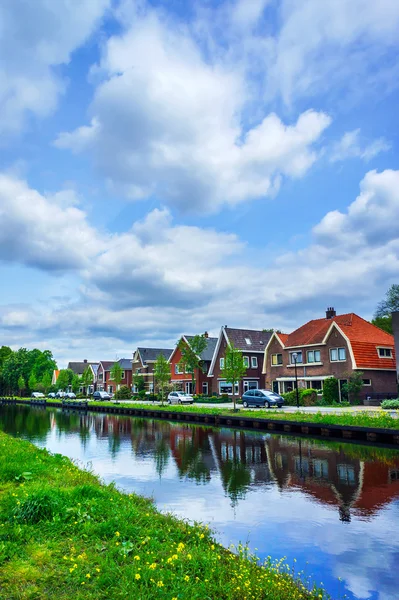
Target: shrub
330,390
390,404
213,399
141,395
307,397
124,393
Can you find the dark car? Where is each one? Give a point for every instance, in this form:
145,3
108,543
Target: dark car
264,398
101,396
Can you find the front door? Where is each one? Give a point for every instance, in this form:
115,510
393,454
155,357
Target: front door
189,387
275,387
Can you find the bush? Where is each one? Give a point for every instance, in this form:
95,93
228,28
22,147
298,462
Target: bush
307,397
141,394
212,399
80,396
390,404
124,393
330,391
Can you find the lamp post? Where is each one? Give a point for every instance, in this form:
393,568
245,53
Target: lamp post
295,356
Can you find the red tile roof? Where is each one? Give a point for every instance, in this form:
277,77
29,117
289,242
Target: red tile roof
364,338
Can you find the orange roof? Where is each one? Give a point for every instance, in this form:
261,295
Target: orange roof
364,338
283,337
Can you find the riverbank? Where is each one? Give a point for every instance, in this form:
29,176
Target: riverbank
63,534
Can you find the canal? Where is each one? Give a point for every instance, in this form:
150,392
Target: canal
330,508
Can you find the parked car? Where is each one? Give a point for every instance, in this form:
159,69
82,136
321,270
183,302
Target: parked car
37,395
52,395
101,396
70,396
180,398
264,398
60,394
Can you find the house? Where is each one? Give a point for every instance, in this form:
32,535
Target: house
182,379
331,347
54,377
143,364
104,380
79,367
252,344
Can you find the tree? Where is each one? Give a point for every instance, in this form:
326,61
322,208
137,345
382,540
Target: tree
191,355
21,384
353,387
384,323
87,378
139,382
64,380
5,352
75,383
42,363
162,374
116,374
32,382
234,368
390,303
46,382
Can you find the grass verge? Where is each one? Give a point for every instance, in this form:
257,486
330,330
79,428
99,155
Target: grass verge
63,535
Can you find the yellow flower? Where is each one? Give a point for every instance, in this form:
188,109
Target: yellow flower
186,578
137,576
202,536
213,547
137,557
153,566
98,570
160,584
117,533
88,575
189,556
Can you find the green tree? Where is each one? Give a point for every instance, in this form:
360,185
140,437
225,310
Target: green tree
43,362
64,380
353,387
46,382
5,352
162,374
87,378
75,383
21,385
330,390
116,374
234,368
390,303
139,382
384,323
191,352
32,382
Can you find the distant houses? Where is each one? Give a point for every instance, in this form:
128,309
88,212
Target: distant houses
332,346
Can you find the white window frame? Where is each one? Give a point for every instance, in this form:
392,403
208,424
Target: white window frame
298,362
385,350
312,353
245,360
338,359
246,383
178,370
254,362
367,379
277,363
221,362
205,384
236,388
110,389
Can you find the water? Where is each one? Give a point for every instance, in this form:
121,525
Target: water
331,506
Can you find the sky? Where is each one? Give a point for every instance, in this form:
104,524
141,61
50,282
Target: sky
169,167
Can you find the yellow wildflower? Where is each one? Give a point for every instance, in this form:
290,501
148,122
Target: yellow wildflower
137,576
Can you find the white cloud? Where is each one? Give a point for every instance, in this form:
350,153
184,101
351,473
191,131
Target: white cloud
166,122
45,232
351,146
35,37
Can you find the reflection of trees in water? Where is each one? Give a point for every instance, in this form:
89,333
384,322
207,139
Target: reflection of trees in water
32,423
66,421
161,455
192,451
236,479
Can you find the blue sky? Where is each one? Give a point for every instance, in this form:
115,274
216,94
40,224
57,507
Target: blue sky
170,167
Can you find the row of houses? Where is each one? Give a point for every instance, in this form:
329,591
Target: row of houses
332,346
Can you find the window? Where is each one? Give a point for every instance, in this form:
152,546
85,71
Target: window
366,381
110,389
320,468
250,385
385,352
246,361
178,369
248,341
315,384
277,359
337,354
100,377
314,356
123,375
227,388
254,362
298,357
222,363
346,474
138,371
205,388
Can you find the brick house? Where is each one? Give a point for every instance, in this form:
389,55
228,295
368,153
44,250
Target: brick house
252,343
143,364
332,347
103,367
183,380
104,373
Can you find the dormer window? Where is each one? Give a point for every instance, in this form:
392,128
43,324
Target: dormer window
385,352
248,341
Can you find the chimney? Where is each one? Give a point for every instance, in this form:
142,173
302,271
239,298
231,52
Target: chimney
85,360
206,334
330,312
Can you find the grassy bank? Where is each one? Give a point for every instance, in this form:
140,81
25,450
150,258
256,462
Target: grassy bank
64,535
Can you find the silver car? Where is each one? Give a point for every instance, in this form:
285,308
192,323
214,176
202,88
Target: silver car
180,398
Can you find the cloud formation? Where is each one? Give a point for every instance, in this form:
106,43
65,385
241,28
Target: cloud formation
351,146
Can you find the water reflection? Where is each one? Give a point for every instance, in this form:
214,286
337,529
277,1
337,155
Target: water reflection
333,505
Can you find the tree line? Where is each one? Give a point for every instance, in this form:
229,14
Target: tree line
23,370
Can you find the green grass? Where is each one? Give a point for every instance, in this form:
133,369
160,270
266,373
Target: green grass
65,535
365,418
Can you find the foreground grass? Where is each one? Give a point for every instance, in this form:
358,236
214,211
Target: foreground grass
378,418
65,535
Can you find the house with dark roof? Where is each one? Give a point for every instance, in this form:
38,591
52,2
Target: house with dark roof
104,367
143,364
78,367
252,343
182,379
334,346
104,379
